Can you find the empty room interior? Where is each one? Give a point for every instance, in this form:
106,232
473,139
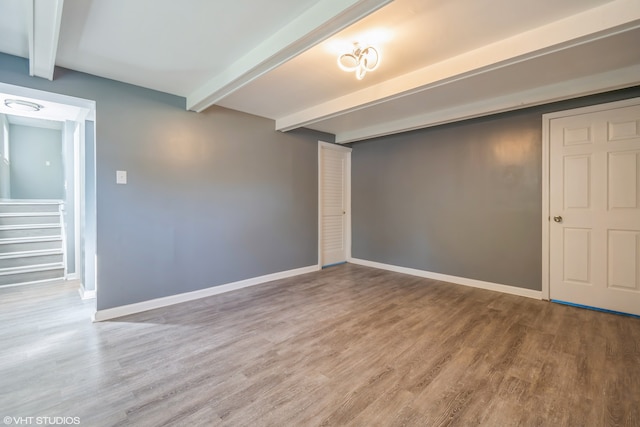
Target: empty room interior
320,212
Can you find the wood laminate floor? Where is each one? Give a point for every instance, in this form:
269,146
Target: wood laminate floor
349,345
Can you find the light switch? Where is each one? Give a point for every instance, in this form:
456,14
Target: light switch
121,177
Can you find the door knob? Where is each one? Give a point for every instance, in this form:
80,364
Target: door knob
557,218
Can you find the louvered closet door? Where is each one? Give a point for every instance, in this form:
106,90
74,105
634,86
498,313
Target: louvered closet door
595,209
333,199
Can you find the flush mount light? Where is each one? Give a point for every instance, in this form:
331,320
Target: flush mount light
360,59
20,105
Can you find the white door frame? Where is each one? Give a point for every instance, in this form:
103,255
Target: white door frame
325,145
546,181
85,109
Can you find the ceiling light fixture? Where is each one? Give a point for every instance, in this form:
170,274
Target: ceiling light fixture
361,60
20,105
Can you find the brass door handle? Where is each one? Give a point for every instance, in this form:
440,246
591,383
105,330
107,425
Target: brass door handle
557,218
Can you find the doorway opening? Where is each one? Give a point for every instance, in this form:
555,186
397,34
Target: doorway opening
591,207
334,204
47,188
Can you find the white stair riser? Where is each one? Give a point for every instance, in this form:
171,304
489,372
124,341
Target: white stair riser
12,279
19,207
29,232
19,220
30,260
29,246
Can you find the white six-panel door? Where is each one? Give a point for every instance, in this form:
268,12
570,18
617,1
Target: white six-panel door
334,203
594,206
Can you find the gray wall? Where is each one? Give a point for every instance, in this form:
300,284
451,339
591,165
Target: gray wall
212,198
30,149
5,176
463,199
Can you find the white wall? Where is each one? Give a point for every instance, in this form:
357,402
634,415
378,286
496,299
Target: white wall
5,183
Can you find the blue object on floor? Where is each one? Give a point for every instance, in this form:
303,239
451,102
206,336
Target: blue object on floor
588,307
337,263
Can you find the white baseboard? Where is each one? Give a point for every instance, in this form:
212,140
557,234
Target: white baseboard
84,294
125,310
452,279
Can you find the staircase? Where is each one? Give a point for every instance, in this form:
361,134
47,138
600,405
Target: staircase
31,242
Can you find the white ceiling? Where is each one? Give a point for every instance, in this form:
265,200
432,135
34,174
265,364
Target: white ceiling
442,60
58,110
39,123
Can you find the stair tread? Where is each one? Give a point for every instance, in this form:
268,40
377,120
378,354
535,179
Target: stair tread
30,239
19,214
40,252
31,268
33,258
28,226
30,202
